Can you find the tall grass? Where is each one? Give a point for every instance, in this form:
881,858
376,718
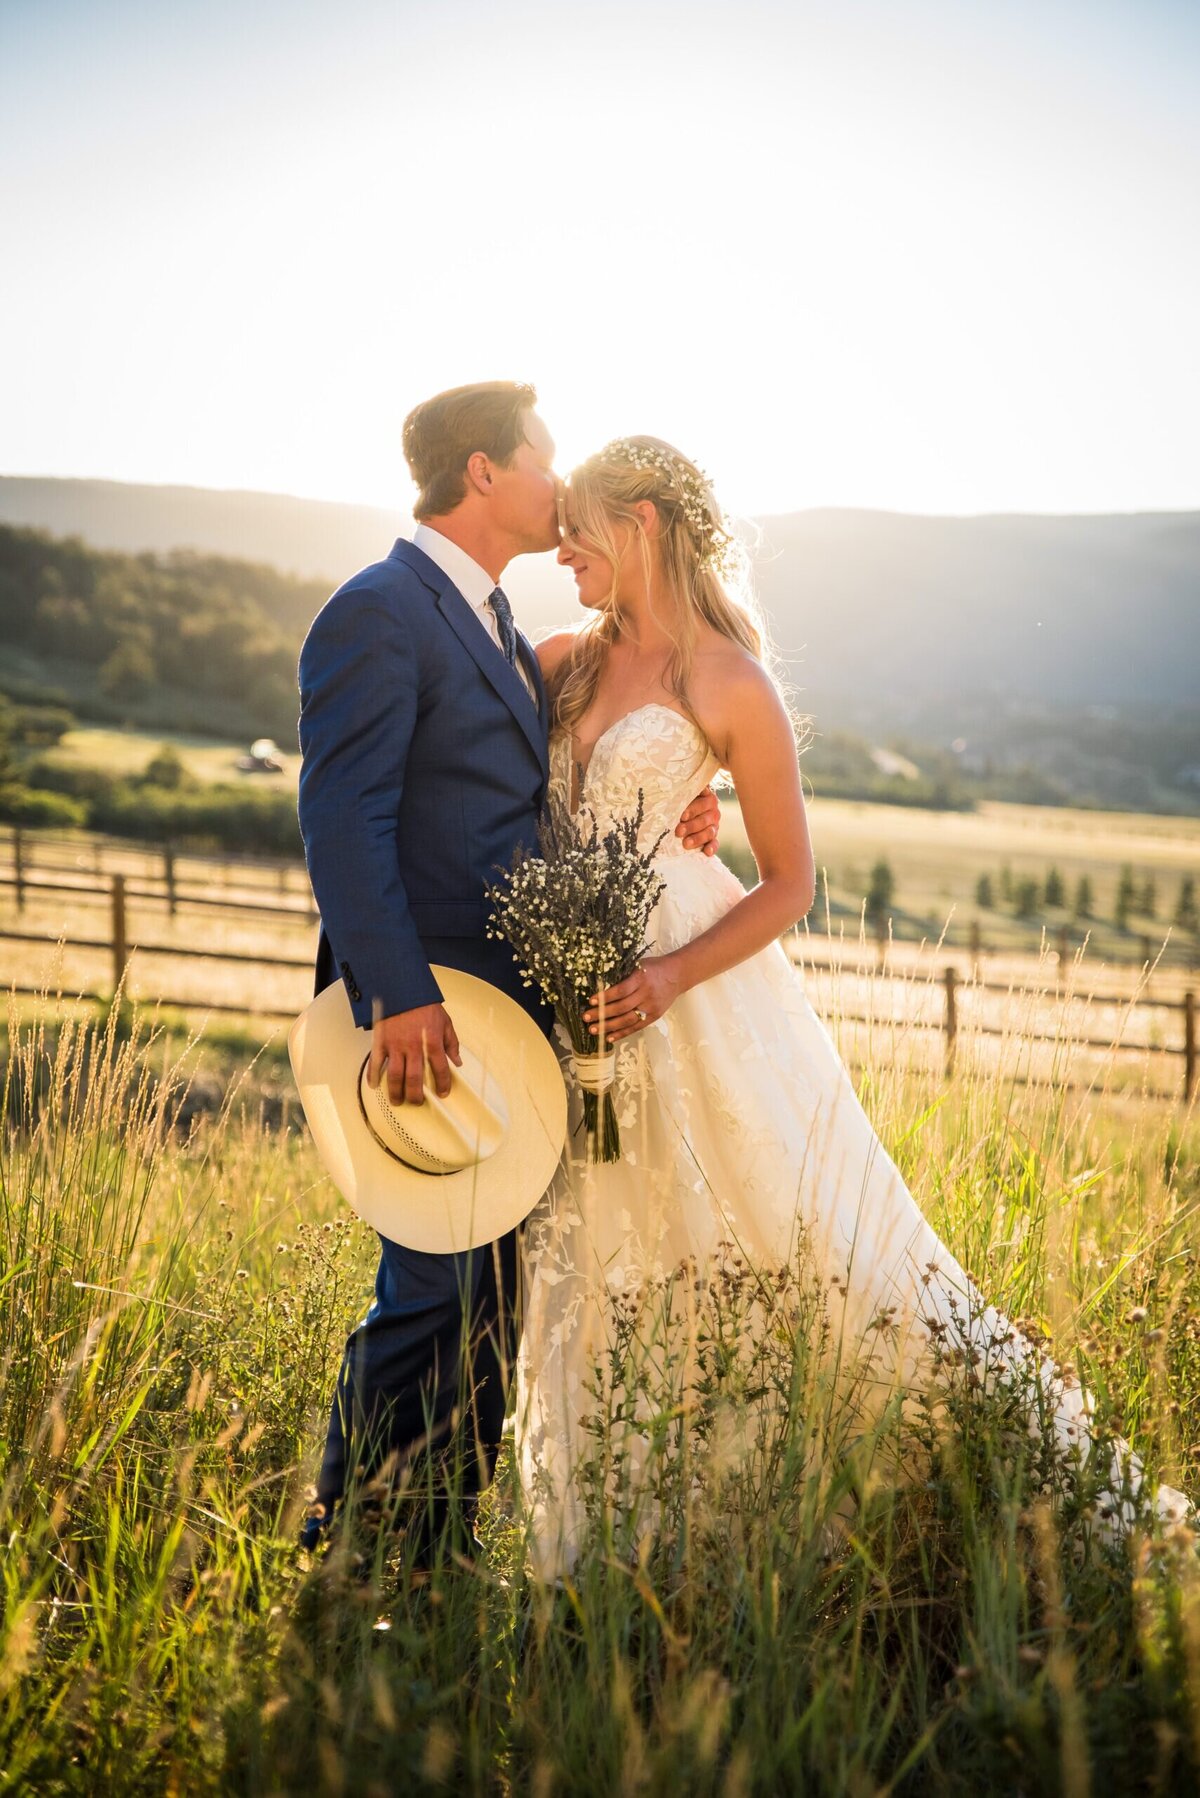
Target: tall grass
173,1309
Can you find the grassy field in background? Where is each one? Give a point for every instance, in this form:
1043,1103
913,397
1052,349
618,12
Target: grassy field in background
937,857
174,1308
125,752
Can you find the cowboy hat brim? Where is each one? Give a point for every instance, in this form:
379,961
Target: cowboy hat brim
437,1213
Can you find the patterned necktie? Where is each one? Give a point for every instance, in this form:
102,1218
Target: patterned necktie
502,612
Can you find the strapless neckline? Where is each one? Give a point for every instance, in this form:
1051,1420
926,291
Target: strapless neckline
651,756
653,705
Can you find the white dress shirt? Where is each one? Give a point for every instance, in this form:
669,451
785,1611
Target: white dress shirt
473,582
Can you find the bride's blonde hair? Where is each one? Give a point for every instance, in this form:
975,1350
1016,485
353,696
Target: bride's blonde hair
701,563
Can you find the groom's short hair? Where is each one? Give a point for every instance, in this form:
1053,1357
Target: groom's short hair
442,433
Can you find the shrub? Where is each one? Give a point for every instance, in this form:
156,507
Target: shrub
165,769
226,816
55,811
78,782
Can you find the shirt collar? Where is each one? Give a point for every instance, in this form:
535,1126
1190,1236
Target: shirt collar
473,582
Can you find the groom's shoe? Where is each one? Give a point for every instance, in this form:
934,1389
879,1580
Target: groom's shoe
314,1533
315,1537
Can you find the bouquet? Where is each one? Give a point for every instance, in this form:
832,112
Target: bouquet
576,913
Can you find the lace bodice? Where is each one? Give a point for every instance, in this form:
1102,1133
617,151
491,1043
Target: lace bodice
653,748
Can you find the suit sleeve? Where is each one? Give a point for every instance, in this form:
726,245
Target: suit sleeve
358,708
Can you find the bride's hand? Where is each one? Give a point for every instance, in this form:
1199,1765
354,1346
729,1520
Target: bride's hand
640,1000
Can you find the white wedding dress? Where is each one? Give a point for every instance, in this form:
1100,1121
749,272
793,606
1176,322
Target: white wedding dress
739,1126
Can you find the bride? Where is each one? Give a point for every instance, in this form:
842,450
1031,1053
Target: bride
742,1135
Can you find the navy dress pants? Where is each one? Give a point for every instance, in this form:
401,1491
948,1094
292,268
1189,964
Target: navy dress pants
427,1367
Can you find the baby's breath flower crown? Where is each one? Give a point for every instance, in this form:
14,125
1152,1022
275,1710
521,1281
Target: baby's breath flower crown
690,487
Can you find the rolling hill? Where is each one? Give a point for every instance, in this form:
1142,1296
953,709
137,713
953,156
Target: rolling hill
1098,610
895,617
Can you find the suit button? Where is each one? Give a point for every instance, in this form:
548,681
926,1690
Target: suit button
351,983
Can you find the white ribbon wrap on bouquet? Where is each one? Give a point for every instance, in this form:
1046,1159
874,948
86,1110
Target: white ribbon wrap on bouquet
595,1073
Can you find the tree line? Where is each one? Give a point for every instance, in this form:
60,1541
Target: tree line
1137,895
157,633
1027,897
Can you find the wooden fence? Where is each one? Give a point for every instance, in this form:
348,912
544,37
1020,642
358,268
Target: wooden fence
171,890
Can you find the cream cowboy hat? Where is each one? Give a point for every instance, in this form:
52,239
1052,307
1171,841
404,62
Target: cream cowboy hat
452,1173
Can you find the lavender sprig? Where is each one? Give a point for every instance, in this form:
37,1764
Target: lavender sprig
576,912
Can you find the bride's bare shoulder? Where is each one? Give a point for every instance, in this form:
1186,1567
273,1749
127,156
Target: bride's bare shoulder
551,650
726,678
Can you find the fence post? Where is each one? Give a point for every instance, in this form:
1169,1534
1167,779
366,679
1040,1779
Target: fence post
951,1019
169,876
119,952
19,865
1189,1044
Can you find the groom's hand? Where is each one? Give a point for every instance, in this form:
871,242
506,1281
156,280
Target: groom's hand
700,824
404,1042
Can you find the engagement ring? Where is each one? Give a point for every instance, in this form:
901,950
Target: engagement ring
639,1013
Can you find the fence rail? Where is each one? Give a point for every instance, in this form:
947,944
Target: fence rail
118,946
120,950
302,914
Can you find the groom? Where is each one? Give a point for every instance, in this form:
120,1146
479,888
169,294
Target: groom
423,727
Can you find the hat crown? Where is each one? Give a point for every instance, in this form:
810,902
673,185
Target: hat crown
440,1136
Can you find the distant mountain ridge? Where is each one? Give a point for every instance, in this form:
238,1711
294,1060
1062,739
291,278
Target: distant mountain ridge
1063,610
315,539
896,614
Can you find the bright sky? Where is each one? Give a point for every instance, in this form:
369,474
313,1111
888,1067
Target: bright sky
931,255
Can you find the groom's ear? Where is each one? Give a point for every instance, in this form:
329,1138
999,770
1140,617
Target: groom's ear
479,471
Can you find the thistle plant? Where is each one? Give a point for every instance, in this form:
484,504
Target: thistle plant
576,912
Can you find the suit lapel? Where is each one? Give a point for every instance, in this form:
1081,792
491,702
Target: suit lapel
490,660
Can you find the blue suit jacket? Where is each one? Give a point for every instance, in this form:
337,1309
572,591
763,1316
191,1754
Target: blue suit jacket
424,766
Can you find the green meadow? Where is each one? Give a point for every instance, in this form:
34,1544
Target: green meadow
929,1605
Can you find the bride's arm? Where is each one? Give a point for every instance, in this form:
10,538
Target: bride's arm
760,753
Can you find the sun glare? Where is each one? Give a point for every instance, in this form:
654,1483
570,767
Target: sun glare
897,260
